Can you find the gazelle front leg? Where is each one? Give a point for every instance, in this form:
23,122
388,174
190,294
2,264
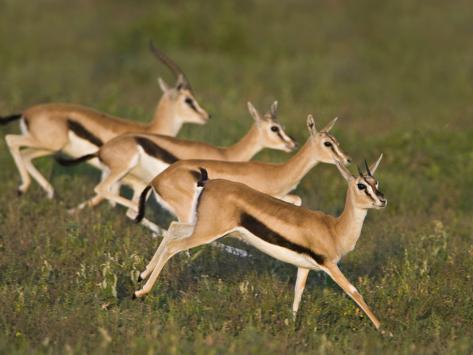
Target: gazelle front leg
170,246
301,280
14,143
175,231
337,276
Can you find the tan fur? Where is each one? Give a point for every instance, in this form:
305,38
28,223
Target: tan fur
175,184
124,157
221,209
45,128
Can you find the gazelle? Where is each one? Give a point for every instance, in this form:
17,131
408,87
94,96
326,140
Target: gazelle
174,188
76,130
310,240
143,156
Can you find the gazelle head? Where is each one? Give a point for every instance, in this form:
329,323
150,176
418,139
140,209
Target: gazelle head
272,134
324,145
179,99
364,188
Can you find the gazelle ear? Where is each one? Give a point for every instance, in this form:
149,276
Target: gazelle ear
162,84
375,165
344,171
253,112
274,109
330,125
311,125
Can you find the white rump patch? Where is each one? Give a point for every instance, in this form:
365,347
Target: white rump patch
23,126
197,191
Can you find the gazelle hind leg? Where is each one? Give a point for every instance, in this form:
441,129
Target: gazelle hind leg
28,156
301,280
337,276
171,246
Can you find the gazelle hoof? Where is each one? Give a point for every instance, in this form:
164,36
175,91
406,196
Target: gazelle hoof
139,279
19,192
133,297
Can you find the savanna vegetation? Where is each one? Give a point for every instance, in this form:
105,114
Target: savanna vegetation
399,74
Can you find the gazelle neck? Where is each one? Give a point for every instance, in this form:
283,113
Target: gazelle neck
246,148
348,225
164,120
299,164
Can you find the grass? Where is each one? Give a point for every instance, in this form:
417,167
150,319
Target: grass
397,73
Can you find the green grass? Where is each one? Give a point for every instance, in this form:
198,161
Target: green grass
398,74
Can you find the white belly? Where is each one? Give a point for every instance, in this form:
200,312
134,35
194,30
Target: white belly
277,252
148,167
77,147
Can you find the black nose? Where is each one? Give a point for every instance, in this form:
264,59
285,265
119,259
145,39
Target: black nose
349,160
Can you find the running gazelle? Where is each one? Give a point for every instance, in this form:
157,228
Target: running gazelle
174,188
77,130
310,240
143,156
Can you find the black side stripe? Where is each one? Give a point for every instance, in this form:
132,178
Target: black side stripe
155,150
80,131
260,230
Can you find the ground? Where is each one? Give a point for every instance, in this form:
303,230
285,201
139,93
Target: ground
398,74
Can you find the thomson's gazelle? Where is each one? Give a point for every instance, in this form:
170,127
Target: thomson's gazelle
143,156
174,188
310,240
76,130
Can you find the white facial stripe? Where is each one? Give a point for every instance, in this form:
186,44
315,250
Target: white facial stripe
369,190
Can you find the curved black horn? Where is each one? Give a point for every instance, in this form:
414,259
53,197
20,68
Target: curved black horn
367,168
176,70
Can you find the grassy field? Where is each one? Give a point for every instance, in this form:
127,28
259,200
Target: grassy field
399,74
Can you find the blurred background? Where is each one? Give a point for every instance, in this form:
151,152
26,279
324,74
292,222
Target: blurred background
398,74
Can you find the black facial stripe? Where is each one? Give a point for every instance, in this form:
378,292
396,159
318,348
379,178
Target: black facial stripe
280,136
334,151
260,230
191,103
80,131
155,150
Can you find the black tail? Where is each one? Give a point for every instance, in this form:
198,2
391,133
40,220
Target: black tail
204,177
68,162
142,205
8,119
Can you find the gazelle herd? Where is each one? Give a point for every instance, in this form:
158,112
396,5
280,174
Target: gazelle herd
212,191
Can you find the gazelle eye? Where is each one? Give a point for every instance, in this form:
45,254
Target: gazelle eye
361,186
328,144
191,104
275,128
